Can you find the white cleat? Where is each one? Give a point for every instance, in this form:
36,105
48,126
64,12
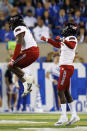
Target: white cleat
27,89
27,85
73,120
61,121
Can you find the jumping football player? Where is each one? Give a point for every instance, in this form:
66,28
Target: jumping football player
68,46
26,51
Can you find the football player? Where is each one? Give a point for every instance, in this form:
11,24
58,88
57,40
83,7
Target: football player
68,46
26,51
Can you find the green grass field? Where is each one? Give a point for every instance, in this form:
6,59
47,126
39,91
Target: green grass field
34,122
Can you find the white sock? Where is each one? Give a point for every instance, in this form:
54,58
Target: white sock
28,78
72,108
63,107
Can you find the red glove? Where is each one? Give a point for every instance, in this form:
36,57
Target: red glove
43,38
11,63
58,38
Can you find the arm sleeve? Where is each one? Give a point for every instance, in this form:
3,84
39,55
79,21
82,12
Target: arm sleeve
70,44
54,43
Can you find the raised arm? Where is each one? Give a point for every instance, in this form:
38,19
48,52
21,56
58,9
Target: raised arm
70,44
56,44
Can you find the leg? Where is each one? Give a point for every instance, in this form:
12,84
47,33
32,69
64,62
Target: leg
68,96
55,96
63,119
59,103
9,101
27,83
62,97
74,117
15,100
31,55
18,72
61,89
63,102
70,99
64,83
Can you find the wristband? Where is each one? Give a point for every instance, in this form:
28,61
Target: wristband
46,39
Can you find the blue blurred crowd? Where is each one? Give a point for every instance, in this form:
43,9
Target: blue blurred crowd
49,13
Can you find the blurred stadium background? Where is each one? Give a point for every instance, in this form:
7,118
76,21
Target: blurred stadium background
43,17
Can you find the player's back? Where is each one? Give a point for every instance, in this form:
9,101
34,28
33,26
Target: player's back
67,54
28,37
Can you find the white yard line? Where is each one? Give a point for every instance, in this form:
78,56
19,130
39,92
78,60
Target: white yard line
55,112
17,122
79,128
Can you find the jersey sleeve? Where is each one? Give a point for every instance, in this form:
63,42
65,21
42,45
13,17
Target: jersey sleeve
73,39
18,30
54,43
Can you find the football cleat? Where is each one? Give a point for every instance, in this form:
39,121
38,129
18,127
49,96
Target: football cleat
28,90
61,121
73,120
